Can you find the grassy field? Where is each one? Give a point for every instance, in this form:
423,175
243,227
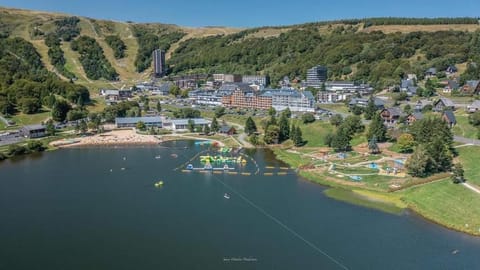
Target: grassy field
292,159
444,202
314,133
463,127
468,156
337,107
30,119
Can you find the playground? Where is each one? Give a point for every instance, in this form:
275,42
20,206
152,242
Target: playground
383,171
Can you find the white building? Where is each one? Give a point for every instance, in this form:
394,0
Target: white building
182,124
296,101
256,79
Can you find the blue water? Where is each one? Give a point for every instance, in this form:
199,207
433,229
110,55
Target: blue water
67,210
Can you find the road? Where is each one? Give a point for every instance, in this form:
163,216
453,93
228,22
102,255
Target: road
473,188
466,140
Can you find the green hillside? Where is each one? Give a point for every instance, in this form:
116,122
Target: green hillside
377,50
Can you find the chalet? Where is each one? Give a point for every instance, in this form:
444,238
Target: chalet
431,72
451,69
471,87
162,90
391,115
450,86
443,104
411,118
449,117
363,102
227,130
421,104
475,106
114,96
408,86
405,84
34,131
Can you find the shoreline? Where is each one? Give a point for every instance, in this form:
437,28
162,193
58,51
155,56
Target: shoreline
303,173
123,137
348,187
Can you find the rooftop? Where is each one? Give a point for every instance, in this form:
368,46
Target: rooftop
134,120
197,121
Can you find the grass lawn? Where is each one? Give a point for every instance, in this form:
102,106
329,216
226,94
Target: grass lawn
314,133
292,159
468,156
452,205
337,107
464,128
30,119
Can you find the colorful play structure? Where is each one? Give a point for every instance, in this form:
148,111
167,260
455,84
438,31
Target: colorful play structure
222,159
203,142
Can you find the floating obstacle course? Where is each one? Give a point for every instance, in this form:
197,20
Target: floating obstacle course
222,159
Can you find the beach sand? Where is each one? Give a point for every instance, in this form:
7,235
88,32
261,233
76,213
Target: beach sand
114,137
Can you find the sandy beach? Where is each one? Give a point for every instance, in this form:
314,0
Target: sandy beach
114,137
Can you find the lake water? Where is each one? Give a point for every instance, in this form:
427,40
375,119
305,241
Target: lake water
77,209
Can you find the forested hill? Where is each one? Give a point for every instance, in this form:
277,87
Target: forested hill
379,50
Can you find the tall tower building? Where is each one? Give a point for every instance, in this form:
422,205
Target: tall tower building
159,68
316,76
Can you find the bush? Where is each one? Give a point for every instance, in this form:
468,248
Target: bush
308,118
17,150
35,146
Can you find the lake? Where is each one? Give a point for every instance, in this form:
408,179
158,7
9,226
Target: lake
78,209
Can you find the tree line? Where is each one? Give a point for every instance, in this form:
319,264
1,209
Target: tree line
93,60
376,57
117,45
26,85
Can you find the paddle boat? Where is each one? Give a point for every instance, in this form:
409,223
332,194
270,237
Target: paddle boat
159,184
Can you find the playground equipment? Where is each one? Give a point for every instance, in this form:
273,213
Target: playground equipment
373,165
355,177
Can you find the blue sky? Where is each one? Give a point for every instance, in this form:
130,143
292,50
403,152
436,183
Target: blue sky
247,13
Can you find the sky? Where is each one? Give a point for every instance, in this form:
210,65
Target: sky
249,13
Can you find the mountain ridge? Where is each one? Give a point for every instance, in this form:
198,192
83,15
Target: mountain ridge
28,23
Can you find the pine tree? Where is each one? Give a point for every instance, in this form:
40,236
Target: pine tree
206,129
284,128
371,109
250,126
341,140
293,133
377,128
298,137
417,164
214,125
191,125
373,146
50,128
159,106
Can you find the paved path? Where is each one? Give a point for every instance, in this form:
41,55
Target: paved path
473,188
466,140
